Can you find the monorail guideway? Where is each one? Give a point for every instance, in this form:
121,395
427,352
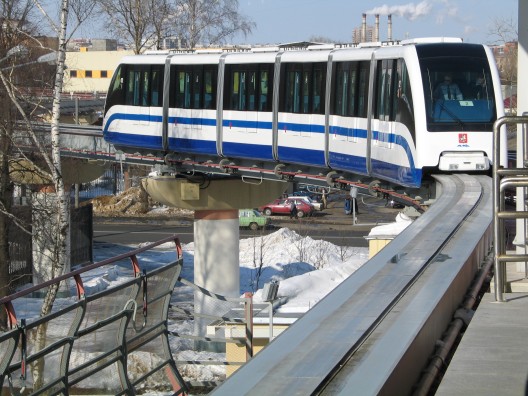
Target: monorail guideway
375,332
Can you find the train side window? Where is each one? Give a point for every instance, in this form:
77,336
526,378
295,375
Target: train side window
209,89
156,95
319,82
247,87
196,88
292,94
383,91
144,88
265,91
115,92
303,88
363,86
345,88
403,101
137,86
183,89
252,91
340,89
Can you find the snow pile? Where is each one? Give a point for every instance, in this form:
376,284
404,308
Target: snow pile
392,229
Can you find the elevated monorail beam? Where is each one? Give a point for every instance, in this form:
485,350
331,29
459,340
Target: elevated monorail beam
374,333
87,142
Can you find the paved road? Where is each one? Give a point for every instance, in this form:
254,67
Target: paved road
135,233
331,225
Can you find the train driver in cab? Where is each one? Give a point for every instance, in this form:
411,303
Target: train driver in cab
448,90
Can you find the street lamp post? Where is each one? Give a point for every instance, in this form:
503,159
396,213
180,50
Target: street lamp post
50,58
15,51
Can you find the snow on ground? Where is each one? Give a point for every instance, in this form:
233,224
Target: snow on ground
307,270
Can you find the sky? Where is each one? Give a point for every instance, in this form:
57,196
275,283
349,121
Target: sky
283,21
301,283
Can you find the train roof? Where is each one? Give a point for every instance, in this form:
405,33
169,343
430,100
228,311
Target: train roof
267,54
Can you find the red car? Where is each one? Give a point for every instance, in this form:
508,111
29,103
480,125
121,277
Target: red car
282,207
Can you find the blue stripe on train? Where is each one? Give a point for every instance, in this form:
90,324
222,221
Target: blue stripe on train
244,150
404,175
137,141
249,124
193,146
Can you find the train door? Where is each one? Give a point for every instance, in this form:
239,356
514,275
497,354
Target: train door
382,122
243,88
247,111
301,118
347,121
137,94
188,98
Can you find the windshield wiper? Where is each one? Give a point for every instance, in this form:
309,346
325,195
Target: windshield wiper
452,115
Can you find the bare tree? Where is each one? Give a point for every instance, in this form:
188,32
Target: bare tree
260,246
210,22
161,21
321,253
144,24
132,21
503,32
13,37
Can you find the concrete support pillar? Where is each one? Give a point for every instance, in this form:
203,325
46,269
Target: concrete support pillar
216,265
216,233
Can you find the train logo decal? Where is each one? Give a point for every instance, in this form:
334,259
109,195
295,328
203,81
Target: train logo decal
462,138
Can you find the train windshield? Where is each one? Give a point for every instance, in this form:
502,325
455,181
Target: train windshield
458,90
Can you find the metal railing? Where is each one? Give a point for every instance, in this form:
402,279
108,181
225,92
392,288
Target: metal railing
94,341
503,179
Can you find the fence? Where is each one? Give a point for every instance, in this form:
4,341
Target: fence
113,340
119,339
81,235
20,249
21,243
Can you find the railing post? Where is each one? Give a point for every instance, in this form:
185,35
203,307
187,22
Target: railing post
503,178
499,276
248,309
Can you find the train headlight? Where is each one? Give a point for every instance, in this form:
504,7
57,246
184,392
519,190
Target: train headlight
481,166
453,167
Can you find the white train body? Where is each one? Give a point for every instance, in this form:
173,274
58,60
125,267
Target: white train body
371,110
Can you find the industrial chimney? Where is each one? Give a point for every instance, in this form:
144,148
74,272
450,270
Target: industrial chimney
376,29
364,28
389,28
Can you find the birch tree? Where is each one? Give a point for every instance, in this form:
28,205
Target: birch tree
59,223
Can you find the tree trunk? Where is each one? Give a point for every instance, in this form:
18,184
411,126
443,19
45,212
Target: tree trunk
5,201
61,256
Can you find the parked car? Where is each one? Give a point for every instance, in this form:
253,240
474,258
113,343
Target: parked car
317,205
282,207
252,219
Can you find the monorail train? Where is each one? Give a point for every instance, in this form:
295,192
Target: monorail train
372,109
